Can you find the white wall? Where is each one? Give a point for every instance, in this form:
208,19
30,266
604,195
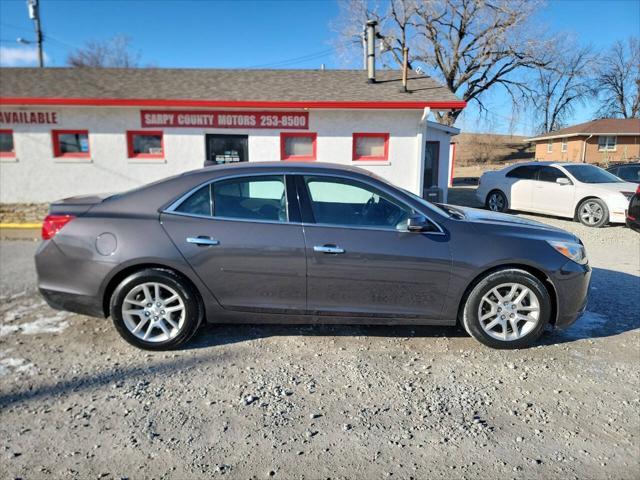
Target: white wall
37,176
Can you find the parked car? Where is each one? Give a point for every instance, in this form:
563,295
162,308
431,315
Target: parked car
633,212
276,242
580,191
629,172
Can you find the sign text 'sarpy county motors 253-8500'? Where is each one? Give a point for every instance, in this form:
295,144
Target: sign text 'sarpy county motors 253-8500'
224,119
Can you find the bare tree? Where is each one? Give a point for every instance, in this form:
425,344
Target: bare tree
115,52
472,46
618,80
560,86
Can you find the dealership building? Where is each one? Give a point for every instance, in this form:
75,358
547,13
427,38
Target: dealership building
66,132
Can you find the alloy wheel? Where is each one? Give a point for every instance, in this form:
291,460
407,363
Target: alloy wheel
591,213
496,202
509,311
153,312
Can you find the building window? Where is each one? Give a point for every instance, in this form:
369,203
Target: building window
607,143
549,146
6,144
370,146
145,144
298,146
564,144
71,143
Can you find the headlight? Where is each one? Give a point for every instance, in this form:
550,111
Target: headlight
571,250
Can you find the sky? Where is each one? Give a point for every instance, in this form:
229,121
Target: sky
267,34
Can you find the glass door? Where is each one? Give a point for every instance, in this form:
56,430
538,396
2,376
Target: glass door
226,149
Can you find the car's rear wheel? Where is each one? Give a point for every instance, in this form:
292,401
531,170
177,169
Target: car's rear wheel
155,309
593,212
497,201
507,309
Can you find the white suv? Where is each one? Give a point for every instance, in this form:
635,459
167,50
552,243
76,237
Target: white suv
585,192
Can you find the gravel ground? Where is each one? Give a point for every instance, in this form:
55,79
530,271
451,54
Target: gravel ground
323,402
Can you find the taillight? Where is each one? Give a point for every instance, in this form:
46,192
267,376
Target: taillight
638,189
53,224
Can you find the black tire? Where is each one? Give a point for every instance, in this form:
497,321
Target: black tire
193,310
598,206
470,311
497,201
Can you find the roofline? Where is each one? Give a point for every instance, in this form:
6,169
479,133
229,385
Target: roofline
582,134
444,128
149,102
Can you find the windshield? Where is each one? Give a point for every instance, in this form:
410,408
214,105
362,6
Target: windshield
591,174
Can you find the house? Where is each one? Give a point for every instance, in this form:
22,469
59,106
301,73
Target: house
598,141
67,131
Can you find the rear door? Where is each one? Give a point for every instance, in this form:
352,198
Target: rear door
361,259
551,197
520,184
244,242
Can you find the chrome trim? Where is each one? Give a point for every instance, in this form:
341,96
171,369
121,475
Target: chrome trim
202,241
328,249
171,208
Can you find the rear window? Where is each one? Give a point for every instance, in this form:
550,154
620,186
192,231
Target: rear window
524,172
198,203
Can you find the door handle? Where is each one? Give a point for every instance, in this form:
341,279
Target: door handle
328,249
203,241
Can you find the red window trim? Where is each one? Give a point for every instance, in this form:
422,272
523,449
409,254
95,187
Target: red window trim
12,153
132,154
376,158
56,144
298,158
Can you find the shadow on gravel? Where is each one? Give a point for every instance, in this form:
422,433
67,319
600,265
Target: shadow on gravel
613,308
115,378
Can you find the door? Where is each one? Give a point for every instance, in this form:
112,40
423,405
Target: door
431,162
361,261
244,243
226,149
551,197
520,183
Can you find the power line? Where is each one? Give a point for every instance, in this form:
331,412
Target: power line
294,60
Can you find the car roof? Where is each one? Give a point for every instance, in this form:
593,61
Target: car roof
545,164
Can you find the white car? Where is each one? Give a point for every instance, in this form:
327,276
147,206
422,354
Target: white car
580,191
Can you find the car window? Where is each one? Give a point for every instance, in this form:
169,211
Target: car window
339,201
525,172
629,172
252,198
591,174
550,174
198,203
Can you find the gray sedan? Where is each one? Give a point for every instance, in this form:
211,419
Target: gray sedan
304,243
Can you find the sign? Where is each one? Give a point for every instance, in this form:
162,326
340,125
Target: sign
224,119
29,118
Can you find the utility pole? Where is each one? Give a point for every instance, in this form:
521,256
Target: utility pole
34,14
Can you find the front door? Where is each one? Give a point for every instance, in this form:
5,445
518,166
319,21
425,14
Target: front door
226,149
360,259
549,196
237,236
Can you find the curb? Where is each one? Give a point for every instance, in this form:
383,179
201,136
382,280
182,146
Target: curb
18,226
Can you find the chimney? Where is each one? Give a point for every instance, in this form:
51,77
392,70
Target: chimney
371,51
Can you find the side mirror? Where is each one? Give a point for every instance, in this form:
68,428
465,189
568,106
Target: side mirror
563,181
418,223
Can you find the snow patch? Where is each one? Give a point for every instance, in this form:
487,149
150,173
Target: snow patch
16,365
55,324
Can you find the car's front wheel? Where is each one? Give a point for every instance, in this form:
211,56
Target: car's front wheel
593,212
155,309
507,309
497,201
